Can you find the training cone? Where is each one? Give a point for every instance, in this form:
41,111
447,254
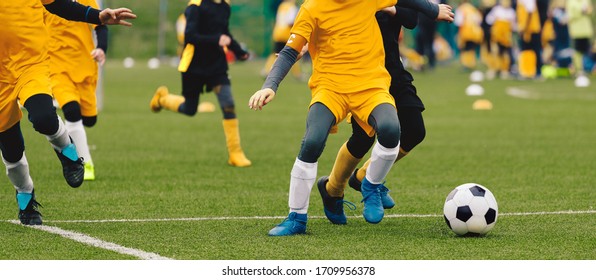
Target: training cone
482,104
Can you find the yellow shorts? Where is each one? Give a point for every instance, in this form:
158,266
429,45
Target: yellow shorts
360,104
34,80
66,90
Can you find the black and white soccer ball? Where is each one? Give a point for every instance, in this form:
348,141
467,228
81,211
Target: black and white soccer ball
470,210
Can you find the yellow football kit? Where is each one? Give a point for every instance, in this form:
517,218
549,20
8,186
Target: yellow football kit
347,53
24,65
73,70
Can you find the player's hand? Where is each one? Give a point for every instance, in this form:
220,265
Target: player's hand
116,16
261,98
390,10
99,55
243,57
302,52
445,13
224,40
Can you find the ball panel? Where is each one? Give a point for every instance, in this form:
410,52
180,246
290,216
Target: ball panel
463,197
450,209
477,190
476,224
451,195
459,227
490,216
464,213
478,206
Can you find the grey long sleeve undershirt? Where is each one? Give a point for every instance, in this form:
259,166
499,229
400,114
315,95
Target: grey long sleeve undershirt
284,62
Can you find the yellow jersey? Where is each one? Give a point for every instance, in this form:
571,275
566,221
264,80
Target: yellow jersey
70,45
24,37
345,43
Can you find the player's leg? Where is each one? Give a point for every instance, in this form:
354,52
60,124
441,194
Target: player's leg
304,172
74,124
384,153
42,115
187,103
230,123
17,169
332,187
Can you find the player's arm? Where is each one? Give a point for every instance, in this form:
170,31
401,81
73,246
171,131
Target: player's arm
235,47
408,18
99,53
74,11
284,62
441,12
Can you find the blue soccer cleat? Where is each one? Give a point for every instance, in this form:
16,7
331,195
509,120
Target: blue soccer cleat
294,224
386,199
333,206
373,207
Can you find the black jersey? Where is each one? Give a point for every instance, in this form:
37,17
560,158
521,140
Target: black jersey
206,21
390,28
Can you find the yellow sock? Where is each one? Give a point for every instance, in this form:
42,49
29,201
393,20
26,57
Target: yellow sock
468,59
344,165
171,102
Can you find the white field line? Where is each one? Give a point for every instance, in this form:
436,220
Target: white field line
564,212
86,239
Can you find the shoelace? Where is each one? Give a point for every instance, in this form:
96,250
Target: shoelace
383,189
349,204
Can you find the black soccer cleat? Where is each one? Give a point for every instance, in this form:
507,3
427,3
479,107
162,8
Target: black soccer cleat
72,165
28,213
353,182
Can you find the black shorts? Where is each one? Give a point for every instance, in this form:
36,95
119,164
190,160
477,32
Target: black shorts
201,84
405,96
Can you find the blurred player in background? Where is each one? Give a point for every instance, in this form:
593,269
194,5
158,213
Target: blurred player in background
345,44
529,30
204,68
502,20
74,60
409,111
25,79
581,31
468,19
284,19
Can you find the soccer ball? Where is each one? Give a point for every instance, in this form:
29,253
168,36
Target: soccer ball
470,210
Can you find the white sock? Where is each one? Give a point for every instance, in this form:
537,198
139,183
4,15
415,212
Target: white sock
79,137
18,174
303,177
381,160
60,139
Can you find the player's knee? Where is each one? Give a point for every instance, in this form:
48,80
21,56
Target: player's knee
72,111
89,121
358,146
187,109
388,134
42,114
311,150
411,138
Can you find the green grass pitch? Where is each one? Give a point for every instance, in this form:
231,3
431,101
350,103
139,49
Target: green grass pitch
163,184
